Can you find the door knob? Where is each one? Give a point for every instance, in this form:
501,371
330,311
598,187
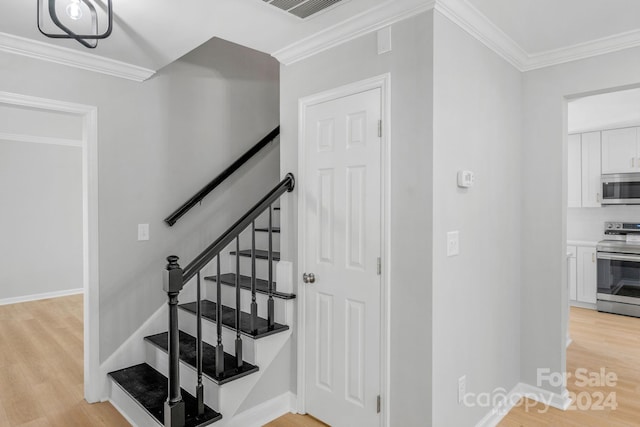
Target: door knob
308,278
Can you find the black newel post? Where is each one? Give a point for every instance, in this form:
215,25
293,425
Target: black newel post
174,406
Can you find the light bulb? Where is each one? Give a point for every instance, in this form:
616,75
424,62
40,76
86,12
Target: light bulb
74,10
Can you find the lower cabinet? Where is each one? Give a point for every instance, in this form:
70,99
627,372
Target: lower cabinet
582,274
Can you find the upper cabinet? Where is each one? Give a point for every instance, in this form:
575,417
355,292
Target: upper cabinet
584,170
620,151
591,170
575,171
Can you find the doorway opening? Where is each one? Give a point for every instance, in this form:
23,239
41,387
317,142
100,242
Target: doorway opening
74,127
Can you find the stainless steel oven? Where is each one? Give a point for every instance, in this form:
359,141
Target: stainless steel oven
621,189
619,269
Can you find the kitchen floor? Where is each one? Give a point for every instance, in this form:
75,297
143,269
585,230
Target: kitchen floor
600,341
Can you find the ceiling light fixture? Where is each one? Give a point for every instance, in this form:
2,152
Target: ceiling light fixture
75,10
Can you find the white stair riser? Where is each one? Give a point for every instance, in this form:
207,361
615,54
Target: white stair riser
132,410
262,267
229,299
187,323
262,241
215,396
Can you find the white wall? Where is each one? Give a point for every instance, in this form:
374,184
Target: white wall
476,295
544,297
411,68
159,142
40,219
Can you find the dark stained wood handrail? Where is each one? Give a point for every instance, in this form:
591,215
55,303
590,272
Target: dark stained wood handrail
197,198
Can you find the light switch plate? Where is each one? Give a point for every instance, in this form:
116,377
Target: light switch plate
453,243
143,232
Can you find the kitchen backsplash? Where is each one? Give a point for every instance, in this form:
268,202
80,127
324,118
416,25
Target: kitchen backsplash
586,224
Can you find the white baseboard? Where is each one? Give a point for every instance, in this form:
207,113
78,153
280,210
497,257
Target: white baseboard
555,400
265,412
496,414
45,295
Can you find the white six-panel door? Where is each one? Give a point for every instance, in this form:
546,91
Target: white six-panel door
342,202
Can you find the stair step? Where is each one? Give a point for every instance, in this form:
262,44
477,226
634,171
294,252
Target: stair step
260,254
188,355
266,230
262,286
229,319
149,388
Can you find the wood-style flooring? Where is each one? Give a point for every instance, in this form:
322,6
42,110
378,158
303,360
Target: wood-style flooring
41,371
291,420
600,340
41,367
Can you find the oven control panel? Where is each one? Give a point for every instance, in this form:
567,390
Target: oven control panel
622,226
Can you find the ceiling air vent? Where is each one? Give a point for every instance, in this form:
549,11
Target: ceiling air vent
303,8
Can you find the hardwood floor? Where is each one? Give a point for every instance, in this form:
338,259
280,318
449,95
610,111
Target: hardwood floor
41,367
599,341
291,420
41,371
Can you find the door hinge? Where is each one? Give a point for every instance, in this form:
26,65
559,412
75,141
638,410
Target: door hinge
379,266
380,128
379,403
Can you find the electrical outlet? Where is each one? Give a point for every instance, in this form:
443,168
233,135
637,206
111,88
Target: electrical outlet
462,388
453,243
143,232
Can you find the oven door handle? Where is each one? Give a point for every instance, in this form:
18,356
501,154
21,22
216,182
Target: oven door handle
618,257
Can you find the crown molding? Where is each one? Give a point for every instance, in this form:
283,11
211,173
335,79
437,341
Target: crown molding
364,23
471,20
72,58
467,17
585,50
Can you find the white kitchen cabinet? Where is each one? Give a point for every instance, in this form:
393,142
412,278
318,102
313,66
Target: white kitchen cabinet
620,151
574,171
584,170
586,276
572,270
591,170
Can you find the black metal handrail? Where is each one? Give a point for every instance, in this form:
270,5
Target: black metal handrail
197,198
287,184
176,278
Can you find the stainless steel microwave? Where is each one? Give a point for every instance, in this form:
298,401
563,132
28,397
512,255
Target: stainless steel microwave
621,189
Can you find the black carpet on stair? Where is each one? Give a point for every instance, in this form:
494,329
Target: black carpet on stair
188,355
149,388
260,254
262,286
229,319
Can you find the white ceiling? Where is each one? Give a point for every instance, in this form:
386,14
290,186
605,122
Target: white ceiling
154,33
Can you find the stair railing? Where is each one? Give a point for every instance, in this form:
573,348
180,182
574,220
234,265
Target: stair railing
176,278
197,198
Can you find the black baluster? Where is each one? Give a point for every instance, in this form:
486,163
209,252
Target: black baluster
199,387
174,415
254,304
219,346
238,338
270,302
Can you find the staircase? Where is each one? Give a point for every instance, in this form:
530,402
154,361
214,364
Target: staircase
218,344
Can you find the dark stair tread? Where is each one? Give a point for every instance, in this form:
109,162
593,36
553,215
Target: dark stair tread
266,230
260,254
149,387
188,355
262,286
229,319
